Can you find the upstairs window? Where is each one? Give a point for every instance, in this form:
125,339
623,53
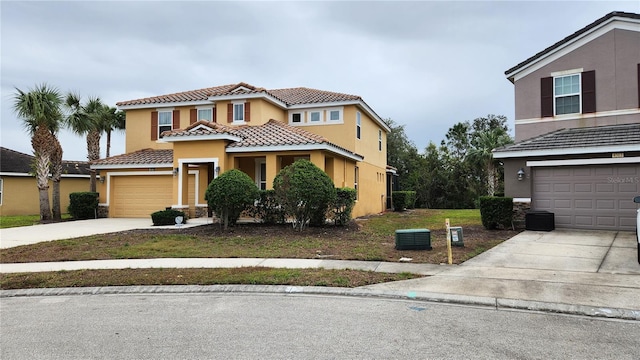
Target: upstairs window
205,114
296,117
358,124
356,178
165,122
334,115
314,116
238,112
379,140
566,94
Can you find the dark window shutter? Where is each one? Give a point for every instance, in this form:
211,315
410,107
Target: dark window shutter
176,119
247,112
546,96
639,85
229,112
193,116
214,116
589,92
154,125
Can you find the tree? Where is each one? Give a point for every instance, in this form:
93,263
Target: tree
56,175
403,155
483,144
40,110
229,194
111,119
85,119
305,192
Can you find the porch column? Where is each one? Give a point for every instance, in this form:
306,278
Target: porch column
183,182
317,158
272,169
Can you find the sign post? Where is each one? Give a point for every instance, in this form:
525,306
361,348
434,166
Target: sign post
450,255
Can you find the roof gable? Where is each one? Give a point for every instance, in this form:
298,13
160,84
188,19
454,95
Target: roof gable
613,20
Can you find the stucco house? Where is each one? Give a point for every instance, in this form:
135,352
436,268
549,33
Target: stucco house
18,189
177,143
577,127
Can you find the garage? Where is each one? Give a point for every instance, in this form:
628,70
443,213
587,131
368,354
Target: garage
588,196
139,196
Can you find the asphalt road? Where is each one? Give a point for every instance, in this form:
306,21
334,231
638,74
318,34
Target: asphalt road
250,326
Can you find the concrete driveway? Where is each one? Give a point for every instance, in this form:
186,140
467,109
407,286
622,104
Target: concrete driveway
26,235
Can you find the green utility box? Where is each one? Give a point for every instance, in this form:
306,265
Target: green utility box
413,239
456,236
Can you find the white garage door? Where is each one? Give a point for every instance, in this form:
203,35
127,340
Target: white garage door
589,196
139,196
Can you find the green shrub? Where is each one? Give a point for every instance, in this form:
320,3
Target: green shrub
229,194
343,205
83,205
305,193
496,211
167,217
403,200
267,209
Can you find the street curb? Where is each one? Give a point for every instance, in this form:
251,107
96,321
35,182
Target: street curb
484,301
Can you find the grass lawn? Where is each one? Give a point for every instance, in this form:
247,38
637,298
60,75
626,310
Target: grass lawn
23,220
370,238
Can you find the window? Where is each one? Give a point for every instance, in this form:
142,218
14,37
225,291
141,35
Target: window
296,117
165,120
379,140
356,175
358,124
334,115
314,116
205,114
566,93
261,174
238,112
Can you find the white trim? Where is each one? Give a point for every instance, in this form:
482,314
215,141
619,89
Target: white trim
169,139
361,103
578,93
129,173
183,161
248,96
566,151
562,50
567,72
163,109
597,161
129,166
306,147
579,116
522,200
258,172
33,176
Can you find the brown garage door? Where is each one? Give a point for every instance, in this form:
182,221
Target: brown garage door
588,197
139,196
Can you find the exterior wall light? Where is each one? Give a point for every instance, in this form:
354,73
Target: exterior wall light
101,179
521,174
176,171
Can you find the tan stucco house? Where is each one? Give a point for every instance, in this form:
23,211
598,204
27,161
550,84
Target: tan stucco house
577,127
177,143
18,189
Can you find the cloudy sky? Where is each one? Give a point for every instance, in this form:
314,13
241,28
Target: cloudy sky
424,64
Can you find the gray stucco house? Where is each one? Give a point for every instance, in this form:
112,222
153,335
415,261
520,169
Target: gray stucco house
577,127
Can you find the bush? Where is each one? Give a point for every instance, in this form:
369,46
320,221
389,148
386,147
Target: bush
496,211
229,194
83,205
267,210
305,193
167,217
343,205
403,200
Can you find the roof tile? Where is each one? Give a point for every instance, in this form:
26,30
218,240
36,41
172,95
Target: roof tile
140,157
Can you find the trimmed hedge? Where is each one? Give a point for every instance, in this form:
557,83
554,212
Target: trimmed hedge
496,211
83,205
343,205
403,200
230,194
267,209
167,217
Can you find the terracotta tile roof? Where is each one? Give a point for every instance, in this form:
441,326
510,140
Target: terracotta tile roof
588,137
200,128
12,161
573,36
140,157
291,96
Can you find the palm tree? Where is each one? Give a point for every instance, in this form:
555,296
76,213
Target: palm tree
40,110
483,144
111,119
84,119
56,174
